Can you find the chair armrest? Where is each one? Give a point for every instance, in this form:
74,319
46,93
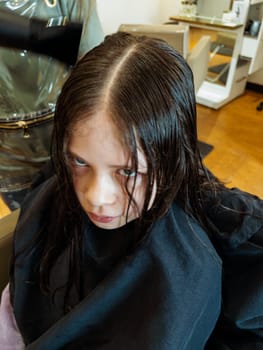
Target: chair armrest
7,227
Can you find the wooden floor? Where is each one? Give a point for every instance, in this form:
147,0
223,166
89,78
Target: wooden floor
236,132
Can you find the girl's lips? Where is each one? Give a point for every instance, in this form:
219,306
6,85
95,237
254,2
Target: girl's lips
102,219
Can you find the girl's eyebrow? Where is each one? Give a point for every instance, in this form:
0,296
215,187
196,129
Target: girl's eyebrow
128,165
73,154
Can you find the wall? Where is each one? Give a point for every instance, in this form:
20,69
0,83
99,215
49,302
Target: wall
168,8
115,12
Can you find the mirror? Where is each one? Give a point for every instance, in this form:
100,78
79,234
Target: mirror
213,8
221,51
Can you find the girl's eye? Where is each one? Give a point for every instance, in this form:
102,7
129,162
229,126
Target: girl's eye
79,162
127,172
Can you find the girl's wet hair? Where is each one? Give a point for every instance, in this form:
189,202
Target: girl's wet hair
147,89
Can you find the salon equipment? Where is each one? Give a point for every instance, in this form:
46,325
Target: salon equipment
36,58
55,37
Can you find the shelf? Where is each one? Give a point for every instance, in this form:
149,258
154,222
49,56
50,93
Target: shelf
207,21
253,2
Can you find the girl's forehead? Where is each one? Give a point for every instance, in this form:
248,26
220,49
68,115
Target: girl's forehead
103,124
99,128
101,118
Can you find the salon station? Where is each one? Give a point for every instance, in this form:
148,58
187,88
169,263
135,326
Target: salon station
236,51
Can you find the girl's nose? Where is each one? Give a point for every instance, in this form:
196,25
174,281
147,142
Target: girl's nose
100,191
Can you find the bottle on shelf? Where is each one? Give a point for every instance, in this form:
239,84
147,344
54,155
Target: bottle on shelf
188,8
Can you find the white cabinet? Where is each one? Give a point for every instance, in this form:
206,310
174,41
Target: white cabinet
252,45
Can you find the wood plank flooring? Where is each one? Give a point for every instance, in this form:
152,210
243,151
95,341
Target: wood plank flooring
236,132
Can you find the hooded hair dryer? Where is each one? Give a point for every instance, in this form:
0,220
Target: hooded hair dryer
54,37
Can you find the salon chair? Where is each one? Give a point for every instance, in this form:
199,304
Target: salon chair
224,46
198,60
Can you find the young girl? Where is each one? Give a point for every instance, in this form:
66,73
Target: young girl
113,251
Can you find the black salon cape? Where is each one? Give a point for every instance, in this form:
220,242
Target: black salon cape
239,242
165,296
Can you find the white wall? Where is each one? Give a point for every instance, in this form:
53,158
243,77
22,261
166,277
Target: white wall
112,13
168,8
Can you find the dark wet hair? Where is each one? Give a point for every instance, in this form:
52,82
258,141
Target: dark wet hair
147,89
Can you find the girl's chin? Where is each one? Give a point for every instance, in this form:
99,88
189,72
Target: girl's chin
109,222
